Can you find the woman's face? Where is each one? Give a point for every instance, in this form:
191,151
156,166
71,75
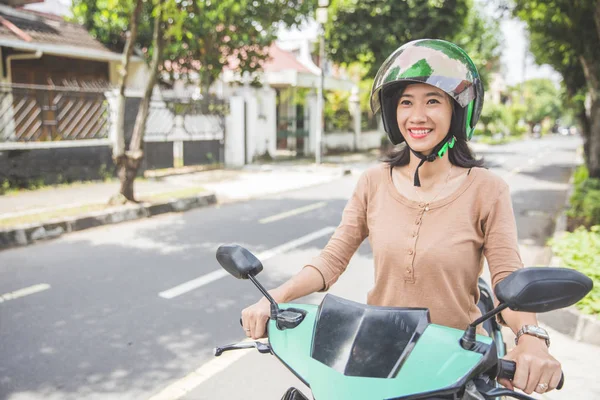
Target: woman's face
424,113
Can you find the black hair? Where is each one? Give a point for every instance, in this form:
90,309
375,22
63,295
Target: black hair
460,155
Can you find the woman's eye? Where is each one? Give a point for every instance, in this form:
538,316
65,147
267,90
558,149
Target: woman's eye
405,103
433,101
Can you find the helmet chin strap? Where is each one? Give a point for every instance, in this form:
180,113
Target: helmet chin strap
438,151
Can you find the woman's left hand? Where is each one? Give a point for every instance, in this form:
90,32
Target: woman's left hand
536,369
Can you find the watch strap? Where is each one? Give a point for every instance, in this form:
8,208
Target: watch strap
525,330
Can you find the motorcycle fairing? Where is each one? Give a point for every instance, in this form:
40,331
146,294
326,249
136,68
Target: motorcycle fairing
436,364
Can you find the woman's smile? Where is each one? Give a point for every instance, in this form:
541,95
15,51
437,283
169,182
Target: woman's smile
419,133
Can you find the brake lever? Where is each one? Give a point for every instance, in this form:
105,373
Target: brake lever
260,346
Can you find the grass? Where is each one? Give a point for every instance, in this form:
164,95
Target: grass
12,222
176,194
43,217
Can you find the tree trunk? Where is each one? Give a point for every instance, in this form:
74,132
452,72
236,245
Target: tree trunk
597,17
128,169
586,130
119,148
593,159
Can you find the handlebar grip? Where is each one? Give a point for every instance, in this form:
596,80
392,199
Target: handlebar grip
507,368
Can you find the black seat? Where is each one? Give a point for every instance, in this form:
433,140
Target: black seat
368,341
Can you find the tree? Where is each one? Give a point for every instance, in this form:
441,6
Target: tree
566,35
493,114
542,100
480,38
214,34
369,31
185,39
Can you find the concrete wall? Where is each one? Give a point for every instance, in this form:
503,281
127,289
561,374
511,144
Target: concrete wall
55,165
346,141
137,77
250,126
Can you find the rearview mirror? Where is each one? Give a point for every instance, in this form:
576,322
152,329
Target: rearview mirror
238,261
544,289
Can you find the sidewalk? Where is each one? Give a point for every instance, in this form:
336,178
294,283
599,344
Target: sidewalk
29,216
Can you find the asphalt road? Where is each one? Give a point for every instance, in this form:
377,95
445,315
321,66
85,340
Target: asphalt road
110,321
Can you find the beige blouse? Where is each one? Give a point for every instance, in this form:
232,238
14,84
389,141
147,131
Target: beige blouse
427,255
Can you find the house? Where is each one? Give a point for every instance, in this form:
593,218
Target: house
44,49
55,80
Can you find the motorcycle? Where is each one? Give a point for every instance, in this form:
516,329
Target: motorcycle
345,350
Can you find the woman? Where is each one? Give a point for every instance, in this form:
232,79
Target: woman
431,213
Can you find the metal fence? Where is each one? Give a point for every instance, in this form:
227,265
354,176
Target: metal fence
186,119
31,113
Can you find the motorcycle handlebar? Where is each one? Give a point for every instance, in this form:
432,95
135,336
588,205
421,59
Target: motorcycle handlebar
507,368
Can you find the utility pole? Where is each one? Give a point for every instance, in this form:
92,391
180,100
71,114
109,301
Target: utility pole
321,19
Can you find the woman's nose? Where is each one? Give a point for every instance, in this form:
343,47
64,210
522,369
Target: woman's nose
418,115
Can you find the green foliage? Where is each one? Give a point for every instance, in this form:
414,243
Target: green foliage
105,173
369,31
203,36
337,114
480,38
560,32
585,201
580,250
493,115
542,100
5,187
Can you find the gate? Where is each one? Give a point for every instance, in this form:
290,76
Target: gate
31,113
196,129
292,123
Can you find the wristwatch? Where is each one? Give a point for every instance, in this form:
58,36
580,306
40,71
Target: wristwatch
533,330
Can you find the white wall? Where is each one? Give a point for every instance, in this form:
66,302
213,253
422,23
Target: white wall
137,78
234,133
345,141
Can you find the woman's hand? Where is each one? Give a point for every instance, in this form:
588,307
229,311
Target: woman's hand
536,369
255,317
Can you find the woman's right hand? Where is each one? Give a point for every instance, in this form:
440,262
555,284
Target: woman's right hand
255,318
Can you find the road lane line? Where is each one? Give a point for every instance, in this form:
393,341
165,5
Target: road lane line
180,388
24,292
293,212
265,255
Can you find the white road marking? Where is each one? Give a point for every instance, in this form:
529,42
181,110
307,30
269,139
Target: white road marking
293,212
24,292
180,388
221,273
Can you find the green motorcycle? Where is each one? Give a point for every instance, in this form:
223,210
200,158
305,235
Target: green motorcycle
345,350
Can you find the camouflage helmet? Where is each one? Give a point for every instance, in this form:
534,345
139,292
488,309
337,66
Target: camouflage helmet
435,62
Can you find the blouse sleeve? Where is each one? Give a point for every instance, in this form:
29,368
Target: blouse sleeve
351,232
500,246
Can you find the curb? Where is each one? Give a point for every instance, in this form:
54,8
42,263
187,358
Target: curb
569,321
30,234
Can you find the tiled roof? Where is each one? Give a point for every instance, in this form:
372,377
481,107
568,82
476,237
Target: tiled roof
281,60
277,60
45,29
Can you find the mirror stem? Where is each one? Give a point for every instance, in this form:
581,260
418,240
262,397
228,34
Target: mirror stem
274,306
468,340
490,314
